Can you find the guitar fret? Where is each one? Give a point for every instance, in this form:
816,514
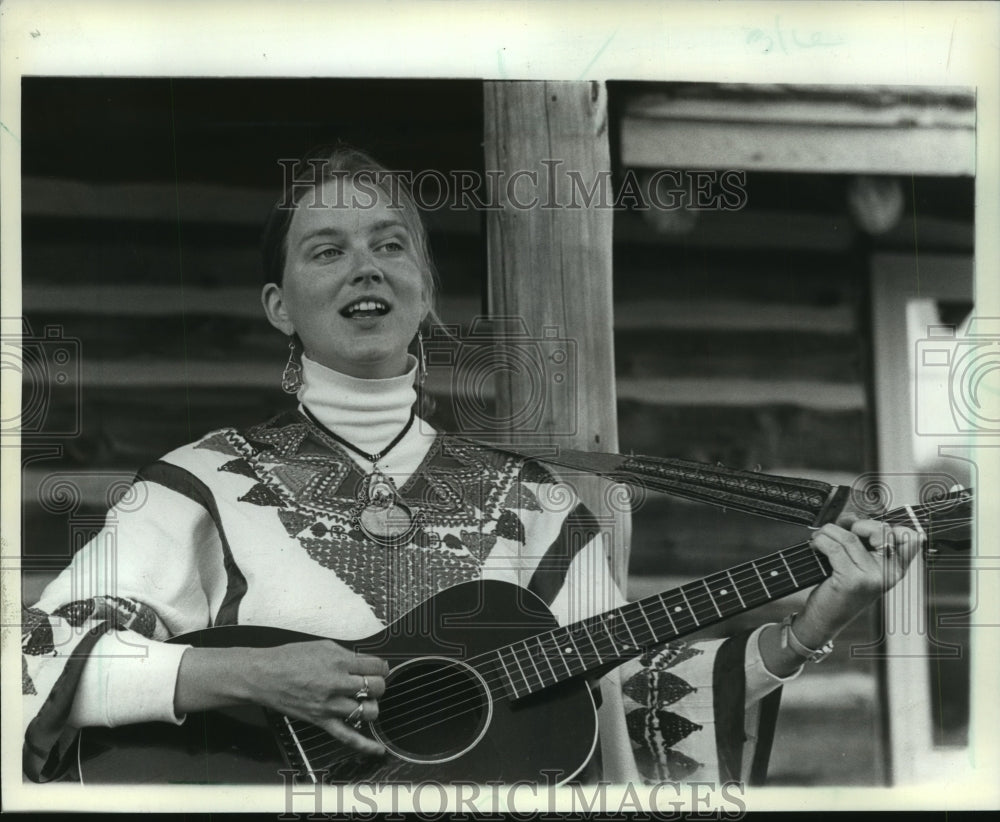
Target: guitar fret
562,652
808,576
605,633
576,647
694,616
628,628
534,667
545,656
510,679
666,610
766,590
815,554
788,567
736,588
612,622
725,594
608,632
712,598
652,633
776,575
681,611
597,653
520,669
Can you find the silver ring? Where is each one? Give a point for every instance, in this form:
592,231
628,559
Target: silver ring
363,694
354,717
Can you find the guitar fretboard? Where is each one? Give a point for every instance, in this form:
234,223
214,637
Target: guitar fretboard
545,659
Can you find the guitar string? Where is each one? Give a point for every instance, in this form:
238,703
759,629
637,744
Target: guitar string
598,621
429,717
424,709
802,558
476,700
494,682
497,693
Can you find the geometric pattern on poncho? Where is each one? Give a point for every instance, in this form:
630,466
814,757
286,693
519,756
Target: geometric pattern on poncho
652,729
468,497
669,688
392,581
673,765
665,727
36,625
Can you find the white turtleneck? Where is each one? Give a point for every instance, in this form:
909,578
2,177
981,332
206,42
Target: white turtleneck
369,414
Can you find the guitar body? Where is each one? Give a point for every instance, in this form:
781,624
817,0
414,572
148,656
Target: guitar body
468,697
441,718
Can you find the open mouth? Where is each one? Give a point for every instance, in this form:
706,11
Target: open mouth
366,307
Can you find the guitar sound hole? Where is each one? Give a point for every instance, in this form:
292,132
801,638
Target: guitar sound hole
433,710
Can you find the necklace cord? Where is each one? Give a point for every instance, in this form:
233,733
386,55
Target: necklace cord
371,457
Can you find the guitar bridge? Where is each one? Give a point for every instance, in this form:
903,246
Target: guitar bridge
291,747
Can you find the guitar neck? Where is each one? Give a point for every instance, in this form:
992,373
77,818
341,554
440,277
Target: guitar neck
618,635
611,638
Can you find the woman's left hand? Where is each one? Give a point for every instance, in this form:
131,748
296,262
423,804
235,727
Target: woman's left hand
867,558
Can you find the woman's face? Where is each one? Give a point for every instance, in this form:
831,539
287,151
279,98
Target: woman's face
353,287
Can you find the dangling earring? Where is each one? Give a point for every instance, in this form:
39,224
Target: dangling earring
425,402
291,377
421,359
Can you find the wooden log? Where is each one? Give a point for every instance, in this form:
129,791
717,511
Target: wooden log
882,131
761,275
798,147
551,268
92,251
765,356
744,437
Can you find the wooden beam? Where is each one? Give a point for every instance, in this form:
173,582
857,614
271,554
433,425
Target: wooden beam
209,203
742,392
551,267
929,106
680,144
896,280
163,301
867,131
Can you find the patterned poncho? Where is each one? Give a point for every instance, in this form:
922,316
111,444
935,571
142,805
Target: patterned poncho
255,527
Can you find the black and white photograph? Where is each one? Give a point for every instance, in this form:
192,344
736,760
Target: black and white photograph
433,406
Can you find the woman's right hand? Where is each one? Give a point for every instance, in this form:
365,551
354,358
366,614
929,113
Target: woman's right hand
314,681
317,682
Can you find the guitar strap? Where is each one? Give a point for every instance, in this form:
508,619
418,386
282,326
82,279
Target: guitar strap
787,499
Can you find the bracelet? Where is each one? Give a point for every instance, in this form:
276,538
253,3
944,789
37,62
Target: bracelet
791,642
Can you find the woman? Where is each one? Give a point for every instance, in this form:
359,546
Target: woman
340,516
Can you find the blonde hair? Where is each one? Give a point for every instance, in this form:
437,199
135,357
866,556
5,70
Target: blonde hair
332,161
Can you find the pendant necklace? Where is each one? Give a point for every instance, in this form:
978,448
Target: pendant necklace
379,512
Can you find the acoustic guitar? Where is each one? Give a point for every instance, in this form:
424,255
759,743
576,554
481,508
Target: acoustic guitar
483,683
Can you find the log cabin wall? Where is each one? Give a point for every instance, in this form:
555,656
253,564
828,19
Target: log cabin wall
741,336
143,202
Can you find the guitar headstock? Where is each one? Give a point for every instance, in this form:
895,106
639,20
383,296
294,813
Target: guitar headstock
947,520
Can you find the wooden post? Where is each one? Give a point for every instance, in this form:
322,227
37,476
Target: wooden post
550,265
